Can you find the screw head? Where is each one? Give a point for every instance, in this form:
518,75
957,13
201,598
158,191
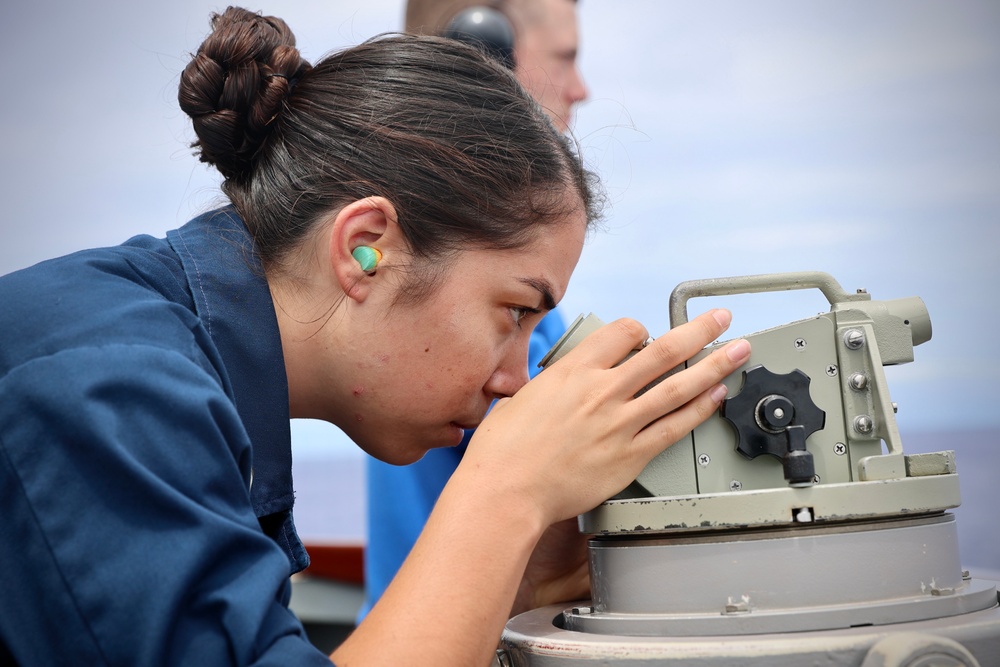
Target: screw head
832,371
858,381
854,338
704,460
840,449
735,485
800,344
863,424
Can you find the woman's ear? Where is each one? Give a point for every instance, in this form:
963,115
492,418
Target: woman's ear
364,239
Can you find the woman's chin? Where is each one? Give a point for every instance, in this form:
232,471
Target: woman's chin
405,453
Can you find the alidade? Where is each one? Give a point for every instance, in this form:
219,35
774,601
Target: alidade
788,529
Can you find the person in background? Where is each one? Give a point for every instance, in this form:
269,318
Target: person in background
545,44
539,40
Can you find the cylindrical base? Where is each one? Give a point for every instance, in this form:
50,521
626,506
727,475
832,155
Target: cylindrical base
819,595
787,580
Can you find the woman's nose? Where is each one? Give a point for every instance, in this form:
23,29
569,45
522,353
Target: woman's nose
511,374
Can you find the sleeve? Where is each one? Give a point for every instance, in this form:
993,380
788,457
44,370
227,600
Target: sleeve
127,535
400,498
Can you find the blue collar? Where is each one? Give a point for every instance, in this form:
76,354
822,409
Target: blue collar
233,301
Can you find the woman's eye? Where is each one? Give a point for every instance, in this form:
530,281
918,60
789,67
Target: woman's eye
518,313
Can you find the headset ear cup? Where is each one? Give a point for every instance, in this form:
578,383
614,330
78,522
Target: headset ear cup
485,28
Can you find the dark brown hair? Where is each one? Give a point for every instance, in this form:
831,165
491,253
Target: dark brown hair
450,138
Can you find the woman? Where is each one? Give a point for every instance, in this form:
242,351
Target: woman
401,216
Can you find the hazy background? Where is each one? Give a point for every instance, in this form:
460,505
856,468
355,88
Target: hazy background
857,138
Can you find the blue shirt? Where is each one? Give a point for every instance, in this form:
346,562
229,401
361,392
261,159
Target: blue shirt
145,458
400,498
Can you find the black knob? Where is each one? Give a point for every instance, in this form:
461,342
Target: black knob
774,414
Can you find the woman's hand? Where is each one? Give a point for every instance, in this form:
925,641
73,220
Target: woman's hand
577,434
557,570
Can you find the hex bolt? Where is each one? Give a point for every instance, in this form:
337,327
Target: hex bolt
840,449
738,607
704,460
735,485
858,381
831,370
854,339
863,424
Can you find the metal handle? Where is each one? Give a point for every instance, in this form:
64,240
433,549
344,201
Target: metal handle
766,282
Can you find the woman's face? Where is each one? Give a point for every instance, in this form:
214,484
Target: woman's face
424,372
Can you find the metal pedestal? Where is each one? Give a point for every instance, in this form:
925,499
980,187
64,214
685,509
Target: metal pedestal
887,593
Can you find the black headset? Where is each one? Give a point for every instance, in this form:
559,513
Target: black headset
486,28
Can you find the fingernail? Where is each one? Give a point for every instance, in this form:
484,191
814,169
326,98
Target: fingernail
738,351
723,317
719,393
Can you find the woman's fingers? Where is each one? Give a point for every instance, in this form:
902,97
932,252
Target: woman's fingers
670,428
613,342
674,348
690,396
607,346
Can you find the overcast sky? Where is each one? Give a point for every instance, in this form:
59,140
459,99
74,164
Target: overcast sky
857,138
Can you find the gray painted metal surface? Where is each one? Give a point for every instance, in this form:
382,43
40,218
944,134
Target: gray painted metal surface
758,582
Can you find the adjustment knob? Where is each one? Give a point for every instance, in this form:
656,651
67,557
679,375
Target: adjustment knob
774,414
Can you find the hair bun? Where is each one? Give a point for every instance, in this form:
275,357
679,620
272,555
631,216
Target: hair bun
235,86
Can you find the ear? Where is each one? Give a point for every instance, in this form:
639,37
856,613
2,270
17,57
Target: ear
365,222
